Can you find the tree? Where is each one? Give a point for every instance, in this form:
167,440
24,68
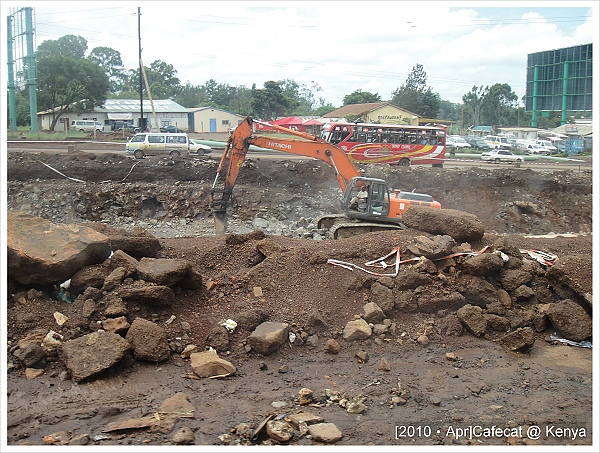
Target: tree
271,102
449,111
192,96
69,84
472,106
415,96
66,46
110,60
324,110
162,79
496,103
361,97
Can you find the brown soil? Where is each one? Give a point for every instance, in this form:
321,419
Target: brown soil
550,386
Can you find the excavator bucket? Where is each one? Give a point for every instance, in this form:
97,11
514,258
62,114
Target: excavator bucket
220,217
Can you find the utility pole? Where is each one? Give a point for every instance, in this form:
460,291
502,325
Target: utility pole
12,104
142,124
31,69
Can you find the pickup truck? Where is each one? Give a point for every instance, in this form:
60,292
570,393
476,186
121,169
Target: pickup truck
500,155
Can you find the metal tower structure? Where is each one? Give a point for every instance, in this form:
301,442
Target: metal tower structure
22,71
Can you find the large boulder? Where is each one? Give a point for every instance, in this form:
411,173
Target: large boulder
88,277
149,341
163,271
571,320
431,300
431,247
472,317
461,226
483,264
136,243
575,273
511,279
478,291
41,252
146,293
519,340
91,354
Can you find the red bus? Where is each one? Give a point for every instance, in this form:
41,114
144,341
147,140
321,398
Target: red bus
389,143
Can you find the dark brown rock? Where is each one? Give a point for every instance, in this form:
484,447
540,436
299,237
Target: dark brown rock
571,320
162,271
457,224
149,341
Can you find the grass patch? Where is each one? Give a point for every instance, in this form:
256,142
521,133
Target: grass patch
25,133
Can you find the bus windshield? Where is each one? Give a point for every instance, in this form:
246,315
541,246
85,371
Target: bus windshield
388,143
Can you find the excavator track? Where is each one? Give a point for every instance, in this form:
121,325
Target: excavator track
339,226
346,230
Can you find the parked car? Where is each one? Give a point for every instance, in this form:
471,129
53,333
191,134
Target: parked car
534,148
170,128
460,142
548,145
500,155
199,148
478,143
451,144
497,142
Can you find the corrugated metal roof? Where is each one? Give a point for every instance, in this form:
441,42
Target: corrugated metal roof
359,109
575,129
133,105
200,109
354,109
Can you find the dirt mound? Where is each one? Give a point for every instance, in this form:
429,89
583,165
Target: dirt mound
421,370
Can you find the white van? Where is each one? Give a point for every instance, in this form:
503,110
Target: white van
158,144
86,125
497,142
548,145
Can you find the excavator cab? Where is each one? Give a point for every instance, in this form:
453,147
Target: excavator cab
366,198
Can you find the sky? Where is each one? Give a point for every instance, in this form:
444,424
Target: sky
331,47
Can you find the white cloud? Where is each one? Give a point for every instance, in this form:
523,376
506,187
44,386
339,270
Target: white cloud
343,47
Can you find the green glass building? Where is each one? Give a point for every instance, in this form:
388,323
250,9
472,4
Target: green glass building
560,80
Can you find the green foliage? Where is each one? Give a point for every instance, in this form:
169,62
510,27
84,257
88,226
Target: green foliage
449,111
69,84
324,110
22,108
415,96
361,97
66,46
191,96
492,106
110,60
271,101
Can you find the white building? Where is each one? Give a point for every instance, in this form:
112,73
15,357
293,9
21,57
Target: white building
118,112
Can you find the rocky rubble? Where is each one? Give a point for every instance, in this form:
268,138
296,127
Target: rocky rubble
333,348
496,292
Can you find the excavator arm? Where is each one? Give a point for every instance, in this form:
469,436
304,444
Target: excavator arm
238,145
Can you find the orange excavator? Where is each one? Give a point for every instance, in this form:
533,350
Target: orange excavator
368,204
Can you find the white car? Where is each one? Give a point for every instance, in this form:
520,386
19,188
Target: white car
534,148
501,155
460,142
199,148
450,143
